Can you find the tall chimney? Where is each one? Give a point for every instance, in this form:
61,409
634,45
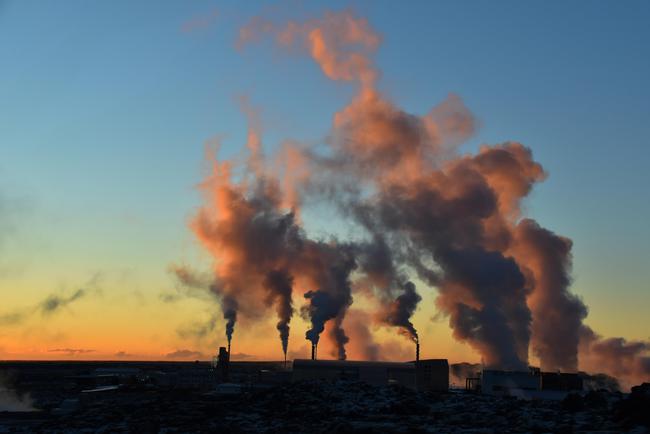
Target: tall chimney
223,364
417,351
313,351
228,349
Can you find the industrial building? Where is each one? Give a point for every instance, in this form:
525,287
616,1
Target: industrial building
423,375
430,375
531,384
509,383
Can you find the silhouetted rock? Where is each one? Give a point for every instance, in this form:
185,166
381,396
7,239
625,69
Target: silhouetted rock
596,399
573,403
635,410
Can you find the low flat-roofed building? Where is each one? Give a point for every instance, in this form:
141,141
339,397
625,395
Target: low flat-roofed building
431,375
531,384
561,381
509,383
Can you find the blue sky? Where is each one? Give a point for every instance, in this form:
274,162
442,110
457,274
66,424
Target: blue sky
105,107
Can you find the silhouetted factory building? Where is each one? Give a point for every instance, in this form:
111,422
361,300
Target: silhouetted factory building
529,384
431,375
561,381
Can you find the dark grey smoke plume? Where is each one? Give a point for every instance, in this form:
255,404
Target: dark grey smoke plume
329,266
439,228
499,326
323,307
279,284
229,309
397,296
320,309
339,336
399,312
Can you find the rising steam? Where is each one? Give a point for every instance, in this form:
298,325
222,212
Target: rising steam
453,221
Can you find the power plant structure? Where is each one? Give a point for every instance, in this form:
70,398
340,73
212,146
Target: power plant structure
430,375
531,384
426,375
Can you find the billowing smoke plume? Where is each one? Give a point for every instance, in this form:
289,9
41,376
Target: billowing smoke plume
328,267
557,314
279,283
449,220
397,296
628,361
398,313
254,244
229,308
261,251
560,339
420,208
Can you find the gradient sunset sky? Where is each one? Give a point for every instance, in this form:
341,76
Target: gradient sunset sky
106,109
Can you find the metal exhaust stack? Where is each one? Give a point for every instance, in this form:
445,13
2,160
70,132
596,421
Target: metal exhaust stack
313,351
223,365
418,371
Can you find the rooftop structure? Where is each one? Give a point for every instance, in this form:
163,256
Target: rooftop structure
430,375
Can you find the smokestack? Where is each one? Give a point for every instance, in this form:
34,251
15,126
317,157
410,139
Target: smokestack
223,364
417,351
313,351
228,349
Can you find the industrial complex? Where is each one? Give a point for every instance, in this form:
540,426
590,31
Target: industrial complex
431,375
305,396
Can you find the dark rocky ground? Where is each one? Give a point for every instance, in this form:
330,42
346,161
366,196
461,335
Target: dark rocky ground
338,407
151,403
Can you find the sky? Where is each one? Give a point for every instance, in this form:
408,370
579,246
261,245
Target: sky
106,109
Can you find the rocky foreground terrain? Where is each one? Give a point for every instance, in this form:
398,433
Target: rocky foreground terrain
336,407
